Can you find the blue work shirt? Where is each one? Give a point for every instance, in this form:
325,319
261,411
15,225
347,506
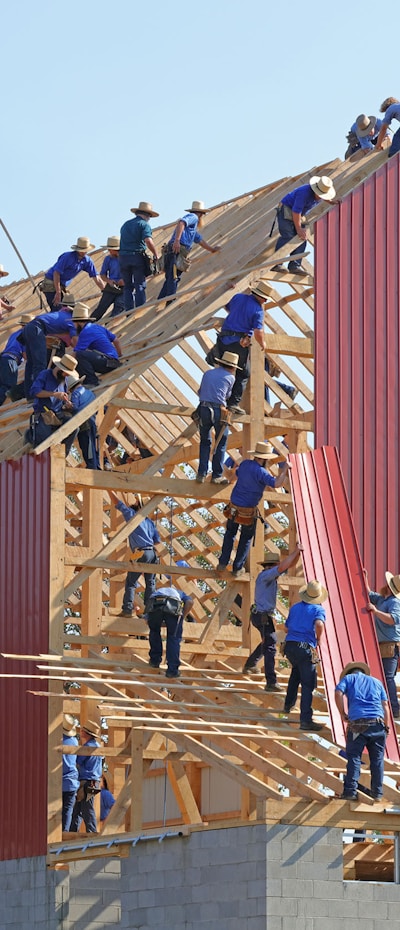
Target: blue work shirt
364,695
107,801
392,112
190,234
171,591
244,316
389,605
70,775
80,397
14,347
57,323
69,264
146,534
133,235
90,767
216,386
365,142
251,479
96,337
266,589
47,381
300,622
110,268
301,199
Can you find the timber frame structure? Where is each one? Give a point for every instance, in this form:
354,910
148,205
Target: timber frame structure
214,723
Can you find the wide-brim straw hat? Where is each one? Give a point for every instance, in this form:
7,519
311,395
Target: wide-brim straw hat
262,289
26,318
81,311
323,187
271,558
197,207
263,450
229,358
91,727
69,725
352,666
113,242
393,582
65,362
3,274
365,124
68,300
72,380
144,207
313,593
83,244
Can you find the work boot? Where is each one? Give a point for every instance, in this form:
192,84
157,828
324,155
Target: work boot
200,479
220,480
169,674
296,269
279,268
292,392
154,664
237,572
250,670
274,687
125,613
237,411
312,727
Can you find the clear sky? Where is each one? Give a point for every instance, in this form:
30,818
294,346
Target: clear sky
104,105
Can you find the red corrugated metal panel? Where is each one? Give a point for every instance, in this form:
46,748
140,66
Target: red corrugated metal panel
24,625
332,556
357,390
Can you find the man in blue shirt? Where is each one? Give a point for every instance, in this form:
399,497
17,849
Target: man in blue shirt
291,212
142,540
33,340
385,608
50,396
363,135
97,348
81,396
245,318
70,775
262,614
135,236
185,235
168,606
110,273
214,393
305,626
90,769
252,478
10,360
391,108
367,720
66,268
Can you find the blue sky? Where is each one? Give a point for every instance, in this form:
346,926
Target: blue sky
104,105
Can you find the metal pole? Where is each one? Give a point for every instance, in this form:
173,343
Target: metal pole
396,847
19,255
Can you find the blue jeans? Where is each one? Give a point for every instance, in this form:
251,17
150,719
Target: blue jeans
395,146
266,648
149,556
287,231
285,387
87,439
36,353
303,673
109,296
210,418
243,549
172,275
68,802
132,272
373,739
174,635
8,375
390,668
90,361
84,810
242,373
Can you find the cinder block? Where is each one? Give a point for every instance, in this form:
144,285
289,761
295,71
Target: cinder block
147,898
281,907
274,922
328,890
374,909
386,892
274,888
211,910
345,909
358,891
296,889
392,913
256,852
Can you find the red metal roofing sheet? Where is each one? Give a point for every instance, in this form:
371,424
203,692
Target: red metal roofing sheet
357,349
331,555
24,625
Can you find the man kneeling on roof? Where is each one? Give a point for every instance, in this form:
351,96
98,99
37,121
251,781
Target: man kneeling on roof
51,403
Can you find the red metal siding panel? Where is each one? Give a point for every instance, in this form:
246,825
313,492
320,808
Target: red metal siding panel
357,349
332,556
24,625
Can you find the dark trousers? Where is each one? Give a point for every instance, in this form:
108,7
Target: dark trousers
68,802
266,648
110,296
133,274
36,353
303,673
373,740
390,668
174,635
149,557
395,146
287,231
210,418
90,362
243,549
172,275
87,438
8,375
84,810
241,377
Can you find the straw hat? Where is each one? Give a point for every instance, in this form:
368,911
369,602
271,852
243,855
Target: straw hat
393,582
365,125
83,244
263,450
73,380
65,363
352,666
69,725
197,207
323,187
271,558
26,318
94,729
81,311
67,299
112,243
262,289
313,593
144,208
229,358
3,274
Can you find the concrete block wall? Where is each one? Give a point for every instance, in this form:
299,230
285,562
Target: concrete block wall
245,878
